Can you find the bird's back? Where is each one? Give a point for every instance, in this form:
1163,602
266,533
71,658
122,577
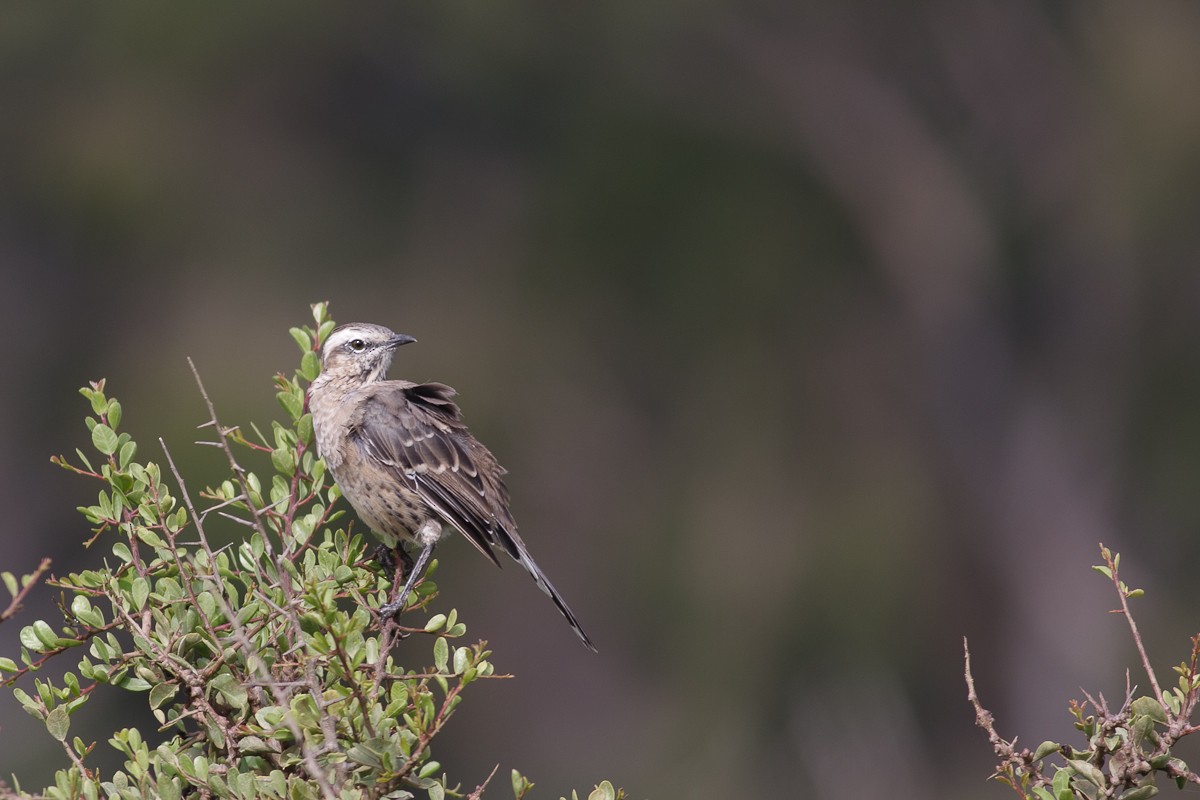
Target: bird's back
416,432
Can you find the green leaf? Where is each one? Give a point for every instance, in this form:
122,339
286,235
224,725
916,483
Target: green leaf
1140,793
325,329
104,439
1103,570
304,428
99,402
441,654
1149,707
462,658
208,605
10,582
1061,782
168,787
84,460
520,785
81,607
131,683
161,693
29,638
305,711
310,365
302,339
1046,748
58,722
1088,771
284,461
435,623
45,634
139,592
292,403
232,692
7,665
604,791
114,414
364,755
149,537
127,452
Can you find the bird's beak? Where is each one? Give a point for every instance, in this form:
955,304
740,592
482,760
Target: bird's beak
399,339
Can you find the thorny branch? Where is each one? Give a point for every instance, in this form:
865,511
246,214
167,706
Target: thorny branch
1013,762
280,695
1124,748
1123,593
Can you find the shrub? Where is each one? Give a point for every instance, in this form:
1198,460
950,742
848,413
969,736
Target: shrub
263,660
1125,749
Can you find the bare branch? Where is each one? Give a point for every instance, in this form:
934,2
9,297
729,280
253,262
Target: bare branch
475,795
1133,628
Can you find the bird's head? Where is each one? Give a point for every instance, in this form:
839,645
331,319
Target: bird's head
360,351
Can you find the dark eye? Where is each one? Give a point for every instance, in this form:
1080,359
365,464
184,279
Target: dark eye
358,345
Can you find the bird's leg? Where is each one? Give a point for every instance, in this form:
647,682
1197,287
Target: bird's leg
396,606
406,560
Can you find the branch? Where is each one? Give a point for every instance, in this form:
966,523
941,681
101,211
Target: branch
19,597
281,697
1123,593
475,795
1013,762
233,463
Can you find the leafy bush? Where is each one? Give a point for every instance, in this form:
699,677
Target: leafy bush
1126,750
263,660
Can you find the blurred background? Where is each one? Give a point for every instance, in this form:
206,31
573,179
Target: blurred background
815,337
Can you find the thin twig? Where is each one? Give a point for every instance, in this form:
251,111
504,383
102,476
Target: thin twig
1137,637
1013,762
19,597
243,639
983,717
328,725
475,795
233,463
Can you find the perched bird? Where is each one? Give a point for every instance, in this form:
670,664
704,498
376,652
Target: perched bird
407,463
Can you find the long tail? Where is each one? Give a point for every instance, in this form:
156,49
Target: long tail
522,557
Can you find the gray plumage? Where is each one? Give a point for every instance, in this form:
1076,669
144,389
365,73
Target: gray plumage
405,460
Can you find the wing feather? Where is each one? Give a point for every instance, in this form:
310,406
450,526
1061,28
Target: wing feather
416,431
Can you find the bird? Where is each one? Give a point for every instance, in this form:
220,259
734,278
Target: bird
405,460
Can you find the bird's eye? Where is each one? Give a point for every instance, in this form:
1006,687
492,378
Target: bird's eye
358,345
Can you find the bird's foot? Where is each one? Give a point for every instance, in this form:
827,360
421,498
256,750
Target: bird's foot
389,611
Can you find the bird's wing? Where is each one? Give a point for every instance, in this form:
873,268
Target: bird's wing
416,431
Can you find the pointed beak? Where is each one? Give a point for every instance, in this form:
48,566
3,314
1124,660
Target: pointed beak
399,339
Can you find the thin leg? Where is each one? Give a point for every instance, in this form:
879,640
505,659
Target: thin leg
396,606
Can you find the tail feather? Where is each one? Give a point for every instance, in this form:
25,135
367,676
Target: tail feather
522,557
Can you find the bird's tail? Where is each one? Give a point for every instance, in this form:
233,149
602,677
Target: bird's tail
522,557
